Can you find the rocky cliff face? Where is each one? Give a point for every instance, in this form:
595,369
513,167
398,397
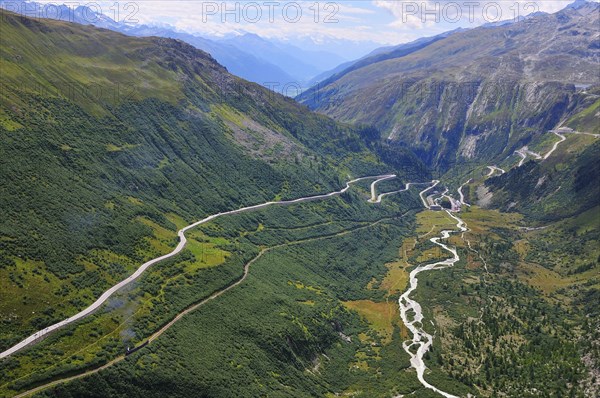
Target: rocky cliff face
478,94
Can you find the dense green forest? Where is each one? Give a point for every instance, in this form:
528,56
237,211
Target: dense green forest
285,319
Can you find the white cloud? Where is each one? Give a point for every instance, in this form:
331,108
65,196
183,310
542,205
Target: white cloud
381,21
347,9
464,13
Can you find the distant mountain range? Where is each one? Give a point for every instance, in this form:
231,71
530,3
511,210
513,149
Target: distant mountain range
285,67
274,64
239,62
301,64
377,55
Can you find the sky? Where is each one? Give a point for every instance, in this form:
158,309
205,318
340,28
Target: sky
383,22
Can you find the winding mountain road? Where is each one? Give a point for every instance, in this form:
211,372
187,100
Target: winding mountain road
423,192
244,275
523,157
421,339
460,192
374,198
562,138
560,133
37,336
377,199
566,130
523,152
534,154
493,169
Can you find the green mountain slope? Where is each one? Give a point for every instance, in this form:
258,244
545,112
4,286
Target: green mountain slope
110,143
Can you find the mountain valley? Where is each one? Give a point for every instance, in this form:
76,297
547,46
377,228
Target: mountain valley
422,222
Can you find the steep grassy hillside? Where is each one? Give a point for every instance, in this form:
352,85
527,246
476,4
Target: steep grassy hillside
475,95
110,143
